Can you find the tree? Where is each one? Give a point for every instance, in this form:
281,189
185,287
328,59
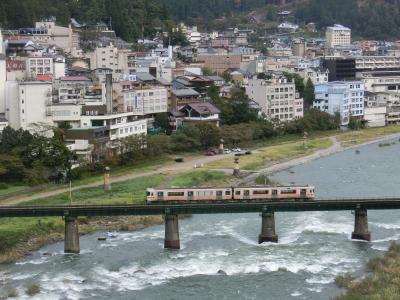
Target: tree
161,120
298,81
309,94
263,76
208,134
227,76
207,71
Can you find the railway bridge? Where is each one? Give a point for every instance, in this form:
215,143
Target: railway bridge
267,210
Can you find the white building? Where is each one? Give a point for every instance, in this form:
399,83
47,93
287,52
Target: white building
277,98
338,35
146,100
27,104
317,75
343,97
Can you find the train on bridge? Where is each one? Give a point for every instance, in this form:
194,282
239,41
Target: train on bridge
229,194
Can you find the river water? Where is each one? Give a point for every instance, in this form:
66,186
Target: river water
313,247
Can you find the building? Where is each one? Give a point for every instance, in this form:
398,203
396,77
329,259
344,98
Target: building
277,98
27,104
219,63
144,100
200,112
374,111
317,75
381,81
340,68
343,97
338,35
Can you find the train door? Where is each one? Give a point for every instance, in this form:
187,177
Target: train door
246,194
219,195
303,193
160,195
274,194
190,195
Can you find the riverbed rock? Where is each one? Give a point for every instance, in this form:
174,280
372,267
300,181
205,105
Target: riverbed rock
221,272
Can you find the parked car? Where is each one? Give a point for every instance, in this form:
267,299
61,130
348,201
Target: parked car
210,152
227,151
237,149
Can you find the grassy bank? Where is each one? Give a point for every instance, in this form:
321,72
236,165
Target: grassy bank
384,283
357,137
19,236
267,155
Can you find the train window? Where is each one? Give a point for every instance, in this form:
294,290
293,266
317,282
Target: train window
227,193
160,194
303,191
288,192
274,192
219,193
261,192
176,194
237,192
190,193
148,193
246,192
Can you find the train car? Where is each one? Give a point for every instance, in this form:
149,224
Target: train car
274,193
228,194
179,195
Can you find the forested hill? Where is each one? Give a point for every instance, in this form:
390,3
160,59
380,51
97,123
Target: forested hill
183,10
131,19
371,19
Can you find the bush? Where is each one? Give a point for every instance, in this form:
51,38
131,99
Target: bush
3,186
33,289
344,281
13,293
263,180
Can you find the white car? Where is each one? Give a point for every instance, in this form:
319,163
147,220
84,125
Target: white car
227,151
237,150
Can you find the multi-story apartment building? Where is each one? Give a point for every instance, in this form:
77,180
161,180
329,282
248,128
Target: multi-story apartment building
343,97
377,63
144,100
48,33
338,35
277,98
380,81
27,103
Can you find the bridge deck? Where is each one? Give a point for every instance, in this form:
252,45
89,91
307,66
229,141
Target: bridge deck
199,208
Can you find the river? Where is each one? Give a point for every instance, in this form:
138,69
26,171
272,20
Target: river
313,247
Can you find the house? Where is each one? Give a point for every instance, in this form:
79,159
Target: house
180,97
200,112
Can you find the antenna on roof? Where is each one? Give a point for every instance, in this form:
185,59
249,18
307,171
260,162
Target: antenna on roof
110,23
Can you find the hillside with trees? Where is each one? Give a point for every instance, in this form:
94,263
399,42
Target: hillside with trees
130,19
369,19
141,18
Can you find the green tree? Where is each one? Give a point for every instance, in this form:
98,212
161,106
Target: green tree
298,81
309,94
161,120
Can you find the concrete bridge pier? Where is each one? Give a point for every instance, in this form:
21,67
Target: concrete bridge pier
361,226
268,228
171,240
71,239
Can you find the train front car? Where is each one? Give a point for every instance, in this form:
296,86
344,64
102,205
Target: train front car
274,193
